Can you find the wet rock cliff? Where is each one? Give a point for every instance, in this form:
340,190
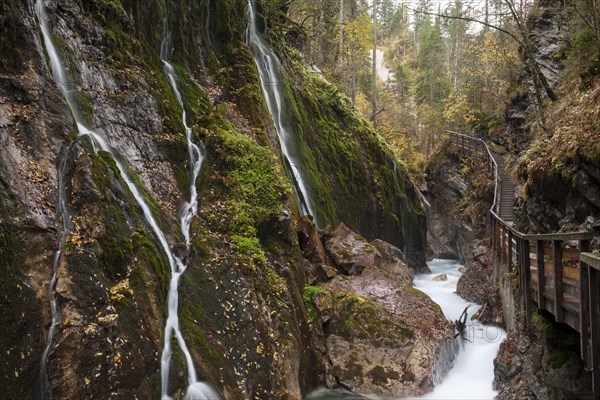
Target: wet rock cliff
241,306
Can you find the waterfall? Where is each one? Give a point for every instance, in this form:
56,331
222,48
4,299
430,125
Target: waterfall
195,389
45,392
270,70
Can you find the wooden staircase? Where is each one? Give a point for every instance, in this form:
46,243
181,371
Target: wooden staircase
506,200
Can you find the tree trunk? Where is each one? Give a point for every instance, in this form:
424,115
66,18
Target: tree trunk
341,33
374,77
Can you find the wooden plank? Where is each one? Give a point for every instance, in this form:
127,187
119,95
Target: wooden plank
502,242
570,254
593,260
494,237
561,236
510,251
541,276
526,271
584,319
533,262
558,283
571,272
595,327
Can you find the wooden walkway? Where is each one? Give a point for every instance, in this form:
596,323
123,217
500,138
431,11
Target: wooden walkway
555,272
507,191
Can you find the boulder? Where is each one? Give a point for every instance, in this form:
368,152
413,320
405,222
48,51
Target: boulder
350,252
393,261
382,338
325,272
441,278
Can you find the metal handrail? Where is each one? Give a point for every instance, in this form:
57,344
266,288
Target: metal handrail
494,210
490,157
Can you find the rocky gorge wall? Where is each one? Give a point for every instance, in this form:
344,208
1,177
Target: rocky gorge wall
242,310
554,156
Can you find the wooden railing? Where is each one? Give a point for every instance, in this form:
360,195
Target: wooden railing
554,272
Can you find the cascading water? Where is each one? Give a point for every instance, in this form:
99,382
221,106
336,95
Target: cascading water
196,390
472,374
472,369
270,71
45,392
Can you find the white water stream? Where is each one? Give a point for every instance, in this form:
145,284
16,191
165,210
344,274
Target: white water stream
270,70
45,392
196,390
473,371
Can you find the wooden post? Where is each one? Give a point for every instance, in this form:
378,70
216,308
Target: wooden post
594,305
558,280
541,274
526,271
493,226
584,316
584,308
500,242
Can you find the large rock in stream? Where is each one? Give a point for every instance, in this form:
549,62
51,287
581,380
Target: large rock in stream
382,336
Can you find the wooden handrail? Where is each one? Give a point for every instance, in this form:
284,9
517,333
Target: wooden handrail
591,259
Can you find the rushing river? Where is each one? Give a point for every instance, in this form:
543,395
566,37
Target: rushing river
473,371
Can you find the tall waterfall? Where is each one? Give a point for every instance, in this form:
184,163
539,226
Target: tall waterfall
195,389
270,71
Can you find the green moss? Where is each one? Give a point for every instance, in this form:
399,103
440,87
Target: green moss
146,251
357,317
557,358
249,246
308,294
194,99
416,292
347,165
257,191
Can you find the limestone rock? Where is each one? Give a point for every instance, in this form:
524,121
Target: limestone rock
534,363
310,241
382,338
393,261
350,252
441,278
476,285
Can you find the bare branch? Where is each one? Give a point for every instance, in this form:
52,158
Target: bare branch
512,35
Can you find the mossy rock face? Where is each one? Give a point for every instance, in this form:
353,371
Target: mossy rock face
21,341
243,286
351,173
